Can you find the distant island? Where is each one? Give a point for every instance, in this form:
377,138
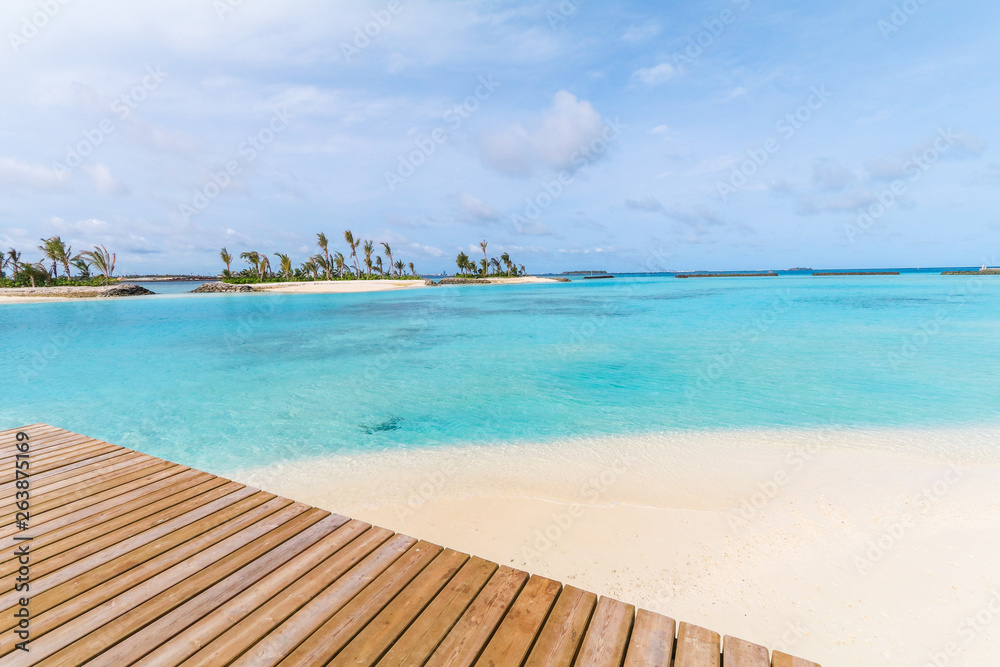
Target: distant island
579,273
801,268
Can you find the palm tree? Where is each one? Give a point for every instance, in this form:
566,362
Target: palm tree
505,258
349,237
483,244
369,248
495,263
399,267
14,261
309,266
388,254
523,272
412,271
228,259
321,263
378,266
83,265
102,260
54,250
321,239
265,266
338,261
35,272
485,265
461,261
253,259
286,264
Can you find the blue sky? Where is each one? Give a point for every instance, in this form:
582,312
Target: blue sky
575,134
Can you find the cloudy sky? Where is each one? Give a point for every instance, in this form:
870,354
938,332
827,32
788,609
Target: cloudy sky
574,134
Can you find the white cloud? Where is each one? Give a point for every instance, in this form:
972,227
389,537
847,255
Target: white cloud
16,172
654,76
472,209
642,32
104,181
551,140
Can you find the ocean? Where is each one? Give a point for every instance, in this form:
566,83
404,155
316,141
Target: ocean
222,382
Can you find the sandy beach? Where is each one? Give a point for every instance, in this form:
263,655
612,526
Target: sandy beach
54,294
830,545
352,286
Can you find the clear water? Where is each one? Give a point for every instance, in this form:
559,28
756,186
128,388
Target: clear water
226,381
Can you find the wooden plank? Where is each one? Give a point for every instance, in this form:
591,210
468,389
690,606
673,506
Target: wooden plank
68,471
178,635
55,495
516,634
560,638
46,485
61,516
473,630
50,558
382,632
335,633
94,579
155,494
426,632
697,647
275,645
164,505
337,579
780,659
652,641
741,653
65,445
49,462
69,625
113,484
61,445
607,635
251,561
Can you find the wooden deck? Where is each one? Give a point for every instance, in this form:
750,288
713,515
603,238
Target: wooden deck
133,560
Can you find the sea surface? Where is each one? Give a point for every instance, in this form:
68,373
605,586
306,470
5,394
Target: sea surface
222,382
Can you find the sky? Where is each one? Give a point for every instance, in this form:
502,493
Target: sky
572,134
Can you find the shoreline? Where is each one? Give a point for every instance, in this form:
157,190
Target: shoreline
750,533
75,293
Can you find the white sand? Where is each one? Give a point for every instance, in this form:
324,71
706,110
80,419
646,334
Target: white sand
338,286
47,294
351,286
53,294
829,545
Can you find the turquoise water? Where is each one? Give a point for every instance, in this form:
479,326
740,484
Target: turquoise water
226,381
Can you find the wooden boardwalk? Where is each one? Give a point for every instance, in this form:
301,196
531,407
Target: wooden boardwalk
133,560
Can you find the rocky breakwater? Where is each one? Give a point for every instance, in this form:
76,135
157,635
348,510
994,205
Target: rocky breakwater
125,289
217,288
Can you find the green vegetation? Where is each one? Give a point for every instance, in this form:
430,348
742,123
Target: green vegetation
57,254
321,266
488,267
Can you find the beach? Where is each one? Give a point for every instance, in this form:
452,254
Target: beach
819,543
55,294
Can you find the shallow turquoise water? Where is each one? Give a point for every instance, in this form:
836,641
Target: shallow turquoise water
225,381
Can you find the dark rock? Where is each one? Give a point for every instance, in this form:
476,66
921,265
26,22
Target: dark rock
217,287
127,289
463,281
559,279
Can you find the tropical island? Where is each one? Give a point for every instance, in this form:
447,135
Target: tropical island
366,265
